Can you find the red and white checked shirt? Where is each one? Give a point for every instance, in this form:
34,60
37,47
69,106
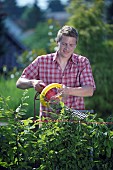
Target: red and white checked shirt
77,73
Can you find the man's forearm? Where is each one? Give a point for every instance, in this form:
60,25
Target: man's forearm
24,83
79,91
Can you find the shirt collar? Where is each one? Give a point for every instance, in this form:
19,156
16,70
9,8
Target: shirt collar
55,56
73,58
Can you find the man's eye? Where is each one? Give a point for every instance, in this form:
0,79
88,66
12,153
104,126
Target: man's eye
71,45
63,43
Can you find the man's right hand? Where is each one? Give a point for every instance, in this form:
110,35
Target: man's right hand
38,85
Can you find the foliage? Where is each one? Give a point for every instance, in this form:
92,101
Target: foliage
32,15
17,137
91,27
22,15
14,11
8,88
43,39
55,6
3,43
109,12
96,43
65,143
28,56
71,144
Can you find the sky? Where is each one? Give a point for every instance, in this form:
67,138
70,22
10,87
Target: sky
41,3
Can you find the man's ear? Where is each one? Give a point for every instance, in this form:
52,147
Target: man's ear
56,40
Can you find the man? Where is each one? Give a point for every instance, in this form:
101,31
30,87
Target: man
65,67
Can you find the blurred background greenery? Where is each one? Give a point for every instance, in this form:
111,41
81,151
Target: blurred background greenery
94,22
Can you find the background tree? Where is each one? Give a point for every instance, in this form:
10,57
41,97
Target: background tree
32,15
12,10
54,5
95,42
36,40
110,13
2,30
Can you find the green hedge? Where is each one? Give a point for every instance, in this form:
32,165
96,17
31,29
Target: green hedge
66,143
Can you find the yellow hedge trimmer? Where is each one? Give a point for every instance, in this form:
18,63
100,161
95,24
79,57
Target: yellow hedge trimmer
50,95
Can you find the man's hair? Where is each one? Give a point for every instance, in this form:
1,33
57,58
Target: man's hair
67,31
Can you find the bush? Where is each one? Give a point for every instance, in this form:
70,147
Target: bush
17,138
63,143
72,144
8,89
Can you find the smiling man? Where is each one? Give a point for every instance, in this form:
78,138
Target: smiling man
65,67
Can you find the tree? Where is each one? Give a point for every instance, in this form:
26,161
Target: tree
32,16
95,42
2,30
110,13
55,5
43,39
12,10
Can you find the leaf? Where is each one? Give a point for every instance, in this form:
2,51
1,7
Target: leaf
108,150
25,104
26,122
111,134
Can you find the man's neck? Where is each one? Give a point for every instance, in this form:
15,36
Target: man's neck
62,62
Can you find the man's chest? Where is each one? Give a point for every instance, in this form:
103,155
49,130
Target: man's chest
55,74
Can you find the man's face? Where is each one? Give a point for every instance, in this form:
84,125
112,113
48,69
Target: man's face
66,46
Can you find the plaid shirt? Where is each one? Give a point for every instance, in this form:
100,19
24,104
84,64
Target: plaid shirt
77,73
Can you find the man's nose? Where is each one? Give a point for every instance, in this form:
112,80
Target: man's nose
67,46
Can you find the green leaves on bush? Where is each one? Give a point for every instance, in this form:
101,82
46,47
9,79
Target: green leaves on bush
72,144
66,143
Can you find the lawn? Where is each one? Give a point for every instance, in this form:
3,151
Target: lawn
8,88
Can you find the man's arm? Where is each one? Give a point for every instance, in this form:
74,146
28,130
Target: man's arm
24,83
83,91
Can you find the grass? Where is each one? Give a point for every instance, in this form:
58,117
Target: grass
8,88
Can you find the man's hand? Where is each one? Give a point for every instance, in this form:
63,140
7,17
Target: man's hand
24,83
63,91
38,85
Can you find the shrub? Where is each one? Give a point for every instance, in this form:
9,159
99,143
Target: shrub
8,88
63,143
72,144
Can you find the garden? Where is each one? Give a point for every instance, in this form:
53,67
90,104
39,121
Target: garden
67,143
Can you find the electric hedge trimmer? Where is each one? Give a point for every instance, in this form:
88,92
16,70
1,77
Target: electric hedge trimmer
50,97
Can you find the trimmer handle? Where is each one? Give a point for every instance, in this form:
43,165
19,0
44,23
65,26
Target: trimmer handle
42,85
